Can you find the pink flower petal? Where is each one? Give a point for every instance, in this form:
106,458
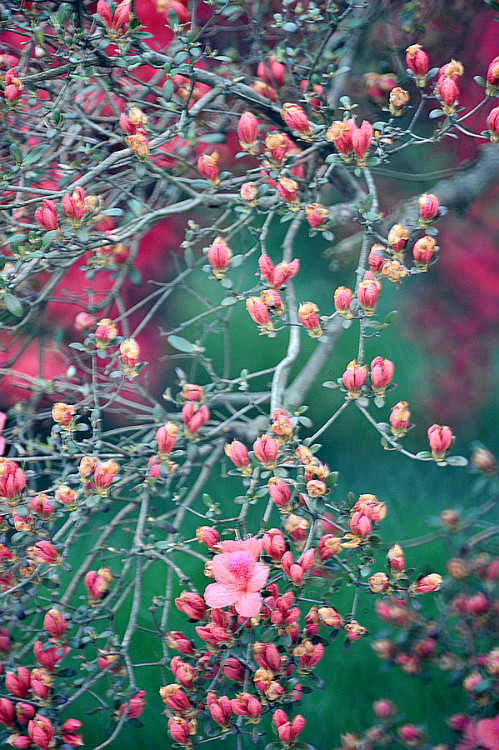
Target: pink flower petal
2,446
221,570
3,417
248,604
251,545
218,595
258,578
487,732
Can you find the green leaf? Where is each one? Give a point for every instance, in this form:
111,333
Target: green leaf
456,461
167,90
423,454
390,317
13,305
181,344
35,155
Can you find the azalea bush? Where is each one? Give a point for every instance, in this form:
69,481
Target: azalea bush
160,494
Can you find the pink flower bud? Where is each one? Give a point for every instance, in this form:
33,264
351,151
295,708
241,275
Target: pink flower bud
194,416
69,732
249,193
73,205
105,332
105,473
428,206
63,414
381,374
219,256
283,272
130,351
41,731
367,293
40,505
46,215
97,583
165,437
179,730
233,669
48,657
238,454
258,312
24,712
192,605
104,12
328,546
288,189
174,697
423,251
307,315
341,135
449,92
396,558
428,584
83,322
207,165
316,215
398,237
245,704
440,440
44,552
277,146
493,124
411,736
18,684
266,268
295,118
54,623
354,378
384,708
6,711
400,418
247,130
135,706
342,301
361,140
378,582
271,72
219,708
279,492
266,449
13,87
154,466
360,524
417,60
493,74
208,536
274,544
12,481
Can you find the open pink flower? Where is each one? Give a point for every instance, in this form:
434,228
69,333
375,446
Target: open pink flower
239,577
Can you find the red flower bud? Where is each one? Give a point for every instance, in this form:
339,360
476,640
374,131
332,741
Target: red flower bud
272,72
208,536
400,418
266,449
423,251
316,215
428,584
41,731
194,416
417,60
354,378
207,165
307,315
279,492
493,124
342,301
428,206
165,437
54,623
361,140
295,118
69,732
7,710
192,605
46,215
135,706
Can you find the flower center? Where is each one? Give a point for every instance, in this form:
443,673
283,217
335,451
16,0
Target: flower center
241,564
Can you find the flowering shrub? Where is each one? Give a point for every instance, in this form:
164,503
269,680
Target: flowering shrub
142,168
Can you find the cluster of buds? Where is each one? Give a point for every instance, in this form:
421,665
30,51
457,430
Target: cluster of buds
447,87
97,583
76,204
194,416
316,215
365,511
135,124
219,255
287,730
13,87
129,350
115,22
296,571
207,166
350,140
46,215
277,276
63,414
